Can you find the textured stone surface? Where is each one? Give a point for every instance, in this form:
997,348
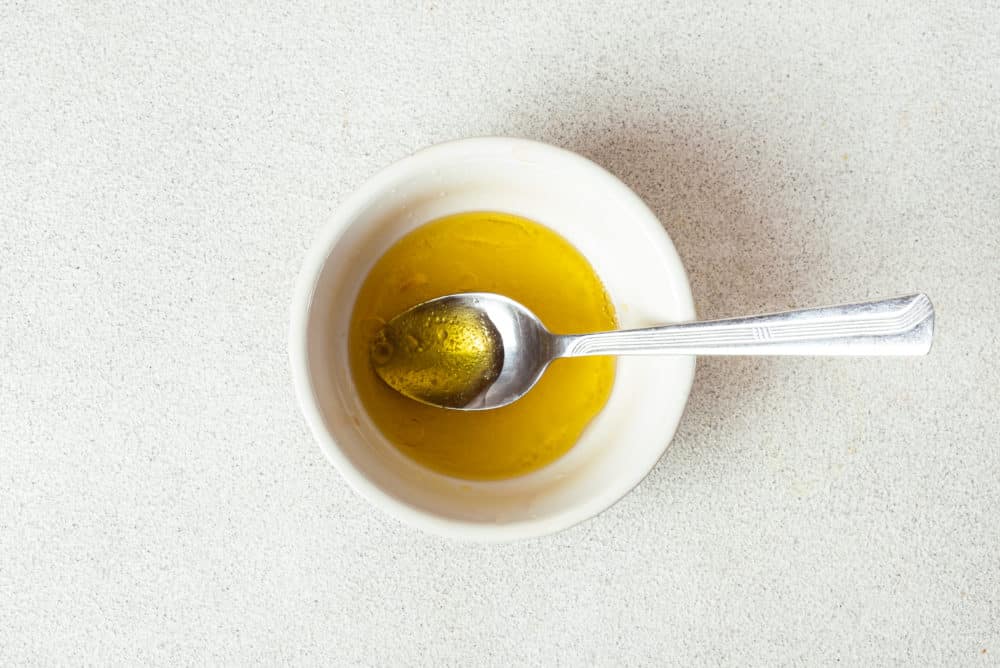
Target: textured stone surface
164,166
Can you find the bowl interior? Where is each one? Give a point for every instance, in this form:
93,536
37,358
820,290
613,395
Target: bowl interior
597,214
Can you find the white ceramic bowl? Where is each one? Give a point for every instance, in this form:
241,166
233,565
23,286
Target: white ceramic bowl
602,218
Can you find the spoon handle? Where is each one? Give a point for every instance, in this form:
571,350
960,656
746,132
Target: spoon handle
898,326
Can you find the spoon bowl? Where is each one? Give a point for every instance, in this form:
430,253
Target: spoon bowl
520,350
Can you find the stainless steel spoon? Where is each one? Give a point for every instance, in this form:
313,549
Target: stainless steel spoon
517,347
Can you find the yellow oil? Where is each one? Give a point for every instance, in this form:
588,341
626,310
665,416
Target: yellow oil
444,355
484,251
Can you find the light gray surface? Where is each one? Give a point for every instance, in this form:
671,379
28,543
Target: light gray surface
163,169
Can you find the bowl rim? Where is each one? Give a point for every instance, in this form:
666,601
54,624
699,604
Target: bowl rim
312,267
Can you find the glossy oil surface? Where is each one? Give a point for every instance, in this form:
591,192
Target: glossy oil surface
487,252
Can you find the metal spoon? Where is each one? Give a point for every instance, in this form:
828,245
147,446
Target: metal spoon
513,348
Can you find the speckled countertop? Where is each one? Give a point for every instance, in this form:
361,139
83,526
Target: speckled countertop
164,168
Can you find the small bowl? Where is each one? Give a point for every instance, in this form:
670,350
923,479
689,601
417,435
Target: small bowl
603,219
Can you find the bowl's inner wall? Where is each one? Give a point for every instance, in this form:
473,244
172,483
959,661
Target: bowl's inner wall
610,226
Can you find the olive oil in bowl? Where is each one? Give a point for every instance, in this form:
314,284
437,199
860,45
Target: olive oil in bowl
484,251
